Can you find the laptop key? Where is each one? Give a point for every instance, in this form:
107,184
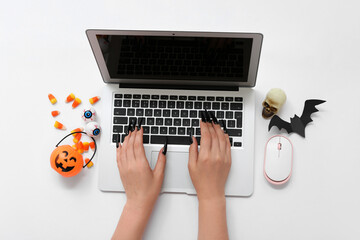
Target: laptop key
172,130
166,113
168,121
127,95
154,96
193,114
131,112
177,121
164,97
157,113
139,112
238,115
186,122
229,99
198,131
120,120
117,103
144,103
118,95
215,105
239,123
177,140
198,105
145,96
219,98
182,98
171,104
120,111
136,96
234,132
184,113
238,99
181,131
173,97
220,114
195,122
163,130
117,129
191,98
231,123
146,129
224,106
154,130
210,98
237,144
150,121
159,121
207,105
201,98
153,104
126,103
146,139
175,113
189,105
236,106
229,115
148,112
162,104
180,104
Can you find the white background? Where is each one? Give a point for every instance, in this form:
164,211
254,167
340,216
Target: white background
311,50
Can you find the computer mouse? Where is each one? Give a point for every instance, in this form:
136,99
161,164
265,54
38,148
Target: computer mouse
278,160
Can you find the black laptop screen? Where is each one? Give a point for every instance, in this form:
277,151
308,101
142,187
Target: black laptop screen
176,58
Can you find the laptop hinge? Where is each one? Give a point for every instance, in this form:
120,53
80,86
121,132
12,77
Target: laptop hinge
181,87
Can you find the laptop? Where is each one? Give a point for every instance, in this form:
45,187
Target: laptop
166,79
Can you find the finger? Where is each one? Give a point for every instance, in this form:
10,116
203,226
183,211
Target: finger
130,155
159,169
124,148
215,148
228,148
139,146
221,137
193,153
118,149
205,143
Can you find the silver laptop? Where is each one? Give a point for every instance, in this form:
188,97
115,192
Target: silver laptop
166,79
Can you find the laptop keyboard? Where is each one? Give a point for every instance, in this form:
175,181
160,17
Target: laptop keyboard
175,116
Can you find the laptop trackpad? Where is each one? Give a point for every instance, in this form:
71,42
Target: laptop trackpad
176,170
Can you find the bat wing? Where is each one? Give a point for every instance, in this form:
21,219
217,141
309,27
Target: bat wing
278,122
309,108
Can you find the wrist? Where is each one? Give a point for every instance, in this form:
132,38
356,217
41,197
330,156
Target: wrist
139,207
214,200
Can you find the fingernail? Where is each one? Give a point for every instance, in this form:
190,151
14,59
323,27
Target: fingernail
117,140
208,118
203,117
165,146
214,118
140,123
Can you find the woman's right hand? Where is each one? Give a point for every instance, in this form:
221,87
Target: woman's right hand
209,168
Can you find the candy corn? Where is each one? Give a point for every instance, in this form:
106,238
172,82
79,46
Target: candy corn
52,98
76,102
77,137
70,98
80,147
59,125
94,99
55,113
90,164
92,145
74,146
80,129
86,146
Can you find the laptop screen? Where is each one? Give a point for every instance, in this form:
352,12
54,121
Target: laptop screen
176,57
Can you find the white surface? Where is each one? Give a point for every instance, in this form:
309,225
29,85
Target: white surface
278,159
311,50
240,180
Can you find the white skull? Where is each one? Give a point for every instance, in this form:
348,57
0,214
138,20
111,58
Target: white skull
275,98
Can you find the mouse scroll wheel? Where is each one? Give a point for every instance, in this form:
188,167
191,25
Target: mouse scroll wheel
279,146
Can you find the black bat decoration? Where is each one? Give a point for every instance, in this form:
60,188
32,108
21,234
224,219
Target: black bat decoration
297,124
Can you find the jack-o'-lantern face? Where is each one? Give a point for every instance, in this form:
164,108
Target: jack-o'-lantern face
66,161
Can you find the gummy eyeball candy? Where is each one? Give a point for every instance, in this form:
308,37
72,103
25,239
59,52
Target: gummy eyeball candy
89,115
93,129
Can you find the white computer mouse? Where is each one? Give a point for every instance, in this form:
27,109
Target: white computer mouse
278,160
